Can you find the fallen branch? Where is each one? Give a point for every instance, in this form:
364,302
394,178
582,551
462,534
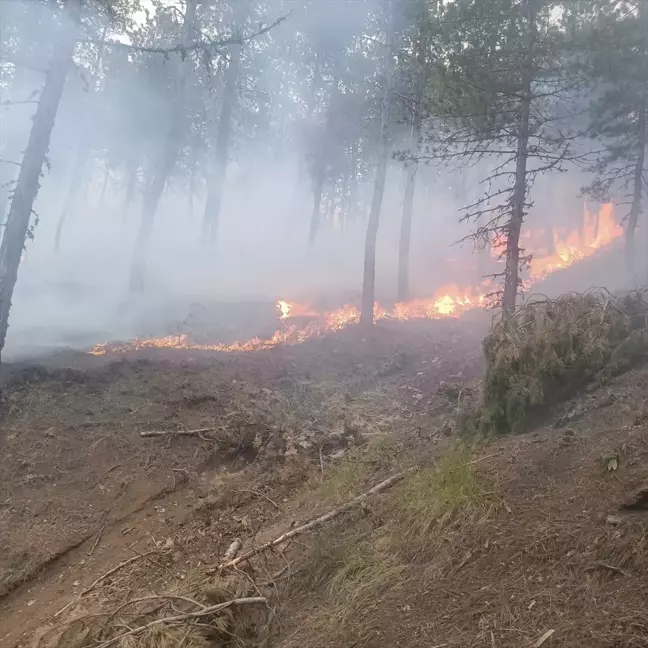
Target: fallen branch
383,485
96,542
183,617
544,638
265,497
164,433
103,577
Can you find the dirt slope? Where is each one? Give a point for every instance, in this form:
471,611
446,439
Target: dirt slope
494,546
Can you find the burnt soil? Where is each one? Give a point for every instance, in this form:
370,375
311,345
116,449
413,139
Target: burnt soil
552,546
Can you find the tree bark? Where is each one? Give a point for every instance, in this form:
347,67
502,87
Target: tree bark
637,193
223,138
369,273
166,162
410,182
27,185
514,227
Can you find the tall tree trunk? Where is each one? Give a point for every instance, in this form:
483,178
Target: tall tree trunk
301,171
410,182
223,138
22,203
352,205
129,195
318,188
369,273
165,163
514,227
71,201
77,181
104,186
319,166
637,193
635,209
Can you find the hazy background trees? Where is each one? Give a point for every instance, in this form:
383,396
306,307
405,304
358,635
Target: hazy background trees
183,145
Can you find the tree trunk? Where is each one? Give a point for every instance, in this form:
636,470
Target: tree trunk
223,137
514,227
637,193
77,181
102,198
353,183
27,185
635,209
71,201
410,182
166,162
129,195
369,274
320,166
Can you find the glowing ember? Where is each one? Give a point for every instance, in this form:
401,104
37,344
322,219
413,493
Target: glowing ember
566,248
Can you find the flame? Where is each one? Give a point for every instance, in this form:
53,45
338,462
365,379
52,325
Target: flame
570,246
567,247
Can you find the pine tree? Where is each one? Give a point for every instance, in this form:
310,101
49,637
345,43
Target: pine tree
619,62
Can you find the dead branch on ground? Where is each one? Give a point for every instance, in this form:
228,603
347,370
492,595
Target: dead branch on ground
183,617
103,577
312,524
165,433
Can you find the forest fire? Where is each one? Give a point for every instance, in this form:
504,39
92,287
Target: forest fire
563,249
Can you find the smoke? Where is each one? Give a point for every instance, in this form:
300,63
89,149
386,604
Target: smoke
79,294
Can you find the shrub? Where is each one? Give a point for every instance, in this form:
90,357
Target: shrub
550,347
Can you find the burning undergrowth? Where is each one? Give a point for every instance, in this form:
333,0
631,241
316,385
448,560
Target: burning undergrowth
296,322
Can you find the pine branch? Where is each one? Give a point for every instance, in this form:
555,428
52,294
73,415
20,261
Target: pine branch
184,49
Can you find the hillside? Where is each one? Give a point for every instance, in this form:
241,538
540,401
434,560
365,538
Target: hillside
537,539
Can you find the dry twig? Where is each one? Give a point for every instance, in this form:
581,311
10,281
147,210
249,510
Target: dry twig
103,577
383,485
165,433
183,617
544,638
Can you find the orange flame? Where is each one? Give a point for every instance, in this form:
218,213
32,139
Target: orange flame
596,231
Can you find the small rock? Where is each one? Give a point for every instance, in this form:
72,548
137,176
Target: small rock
606,401
613,519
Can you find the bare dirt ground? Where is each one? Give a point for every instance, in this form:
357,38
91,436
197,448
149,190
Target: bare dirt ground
535,540
75,471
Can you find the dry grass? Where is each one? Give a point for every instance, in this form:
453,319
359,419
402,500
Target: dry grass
428,498
348,475
353,564
550,347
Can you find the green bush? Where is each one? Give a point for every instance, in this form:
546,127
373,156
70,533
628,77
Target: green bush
550,347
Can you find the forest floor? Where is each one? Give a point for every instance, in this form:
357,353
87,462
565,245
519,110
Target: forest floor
535,540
